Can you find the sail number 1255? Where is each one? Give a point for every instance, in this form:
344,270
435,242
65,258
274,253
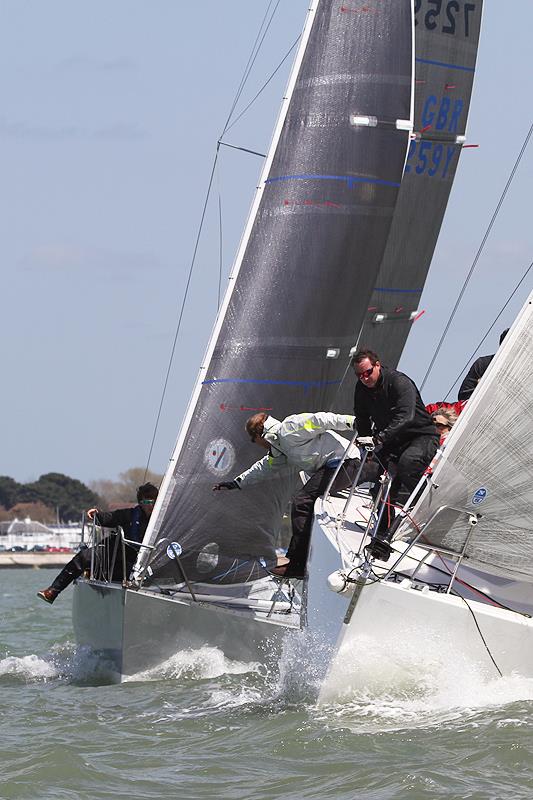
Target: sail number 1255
444,15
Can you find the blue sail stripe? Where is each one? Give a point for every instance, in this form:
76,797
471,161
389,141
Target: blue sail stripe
444,64
349,179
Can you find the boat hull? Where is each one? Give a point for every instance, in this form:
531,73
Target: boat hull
397,629
134,630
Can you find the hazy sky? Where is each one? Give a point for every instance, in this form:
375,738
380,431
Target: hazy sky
109,116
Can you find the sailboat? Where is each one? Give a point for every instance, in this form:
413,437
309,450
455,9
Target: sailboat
460,571
335,251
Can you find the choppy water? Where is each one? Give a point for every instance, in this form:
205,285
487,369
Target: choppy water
202,727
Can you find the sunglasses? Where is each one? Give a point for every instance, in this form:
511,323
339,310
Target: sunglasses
441,425
146,502
366,373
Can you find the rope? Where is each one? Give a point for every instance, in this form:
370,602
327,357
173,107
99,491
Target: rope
478,254
482,637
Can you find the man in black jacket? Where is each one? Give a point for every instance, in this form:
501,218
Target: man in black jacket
476,372
133,522
388,406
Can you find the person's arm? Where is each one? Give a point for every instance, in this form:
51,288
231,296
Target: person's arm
363,422
256,473
111,519
403,396
473,376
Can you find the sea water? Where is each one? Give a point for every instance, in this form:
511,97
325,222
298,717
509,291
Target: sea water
200,726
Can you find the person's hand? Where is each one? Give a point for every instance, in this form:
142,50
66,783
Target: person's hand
225,485
91,512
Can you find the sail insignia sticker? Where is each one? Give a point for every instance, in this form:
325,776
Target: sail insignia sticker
479,496
174,549
219,456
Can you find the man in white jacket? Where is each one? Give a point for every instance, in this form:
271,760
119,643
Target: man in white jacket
306,442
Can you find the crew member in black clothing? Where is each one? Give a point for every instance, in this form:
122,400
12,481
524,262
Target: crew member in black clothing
133,522
388,407
476,372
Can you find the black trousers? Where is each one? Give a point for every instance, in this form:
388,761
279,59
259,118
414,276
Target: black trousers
303,503
407,466
82,561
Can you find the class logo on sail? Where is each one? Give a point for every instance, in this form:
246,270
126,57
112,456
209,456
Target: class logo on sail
478,496
219,456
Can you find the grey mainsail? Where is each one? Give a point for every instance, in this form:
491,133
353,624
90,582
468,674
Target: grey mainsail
301,284
486,468
446,44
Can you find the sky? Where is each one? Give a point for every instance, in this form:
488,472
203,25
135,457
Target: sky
110,111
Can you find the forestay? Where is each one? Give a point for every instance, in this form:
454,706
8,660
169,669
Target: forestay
487,465
300,287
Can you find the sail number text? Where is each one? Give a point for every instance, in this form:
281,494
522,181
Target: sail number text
446,16
430,158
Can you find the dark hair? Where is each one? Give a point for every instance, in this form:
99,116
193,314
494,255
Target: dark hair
362,354
503,334
255,425
147,492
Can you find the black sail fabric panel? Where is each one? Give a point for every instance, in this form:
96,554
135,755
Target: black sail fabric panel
446,43
303,287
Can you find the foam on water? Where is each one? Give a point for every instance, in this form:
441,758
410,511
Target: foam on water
66,663
27,668
206,662
418,681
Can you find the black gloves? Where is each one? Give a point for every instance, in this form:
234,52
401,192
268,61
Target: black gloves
226,485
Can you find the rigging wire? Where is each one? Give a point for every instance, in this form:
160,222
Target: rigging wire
244,149
478,254
251,60
263,87
182,309
219,248
495,320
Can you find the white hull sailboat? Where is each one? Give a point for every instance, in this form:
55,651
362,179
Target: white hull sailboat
368,139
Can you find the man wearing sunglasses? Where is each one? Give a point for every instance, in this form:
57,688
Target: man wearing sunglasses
133,522
389,408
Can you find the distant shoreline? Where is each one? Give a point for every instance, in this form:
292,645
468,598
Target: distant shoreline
34,560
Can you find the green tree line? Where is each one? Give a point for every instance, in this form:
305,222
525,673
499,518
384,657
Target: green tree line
57,495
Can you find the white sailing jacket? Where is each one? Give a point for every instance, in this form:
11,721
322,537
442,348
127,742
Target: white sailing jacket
304,441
